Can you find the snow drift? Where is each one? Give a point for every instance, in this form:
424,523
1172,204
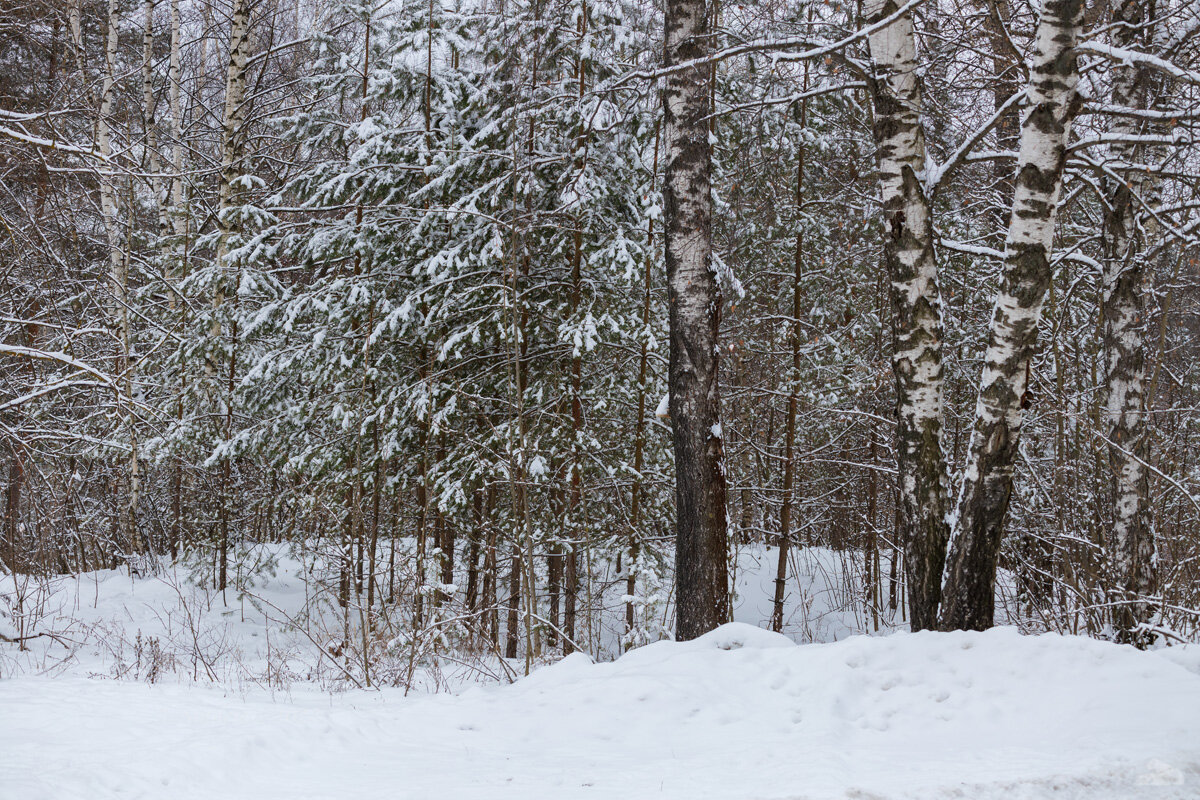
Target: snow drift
739,713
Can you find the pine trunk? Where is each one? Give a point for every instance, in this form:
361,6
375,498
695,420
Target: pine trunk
701,572
571,565
9,544
1004,87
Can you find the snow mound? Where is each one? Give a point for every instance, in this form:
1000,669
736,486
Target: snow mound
737,635
737,714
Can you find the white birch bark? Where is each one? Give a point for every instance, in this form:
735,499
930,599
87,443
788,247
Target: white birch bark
206,23
174,95
176,266
916,307
108,199
176,213
118,268
74,23
969,590
232,122
1130,542
154,162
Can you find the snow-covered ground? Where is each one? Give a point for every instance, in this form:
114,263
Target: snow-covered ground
155,688
740,713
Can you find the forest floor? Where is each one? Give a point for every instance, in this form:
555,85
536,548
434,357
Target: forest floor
740,714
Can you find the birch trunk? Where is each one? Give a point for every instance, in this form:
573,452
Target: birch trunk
232,122
117,264
151,138
916,309
1130,545
969,593
108,199
75,26
694,299
178,220
174,92
155,166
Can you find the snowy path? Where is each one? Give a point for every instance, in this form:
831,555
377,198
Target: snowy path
920,716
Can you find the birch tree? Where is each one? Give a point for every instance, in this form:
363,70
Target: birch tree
231,146
118,260
1126,229
968,594
916,307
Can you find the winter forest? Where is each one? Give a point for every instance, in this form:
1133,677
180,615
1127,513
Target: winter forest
589,382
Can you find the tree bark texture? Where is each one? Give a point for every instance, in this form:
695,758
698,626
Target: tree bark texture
1052,102
693,294
232,123
1130,544
789,458
916,309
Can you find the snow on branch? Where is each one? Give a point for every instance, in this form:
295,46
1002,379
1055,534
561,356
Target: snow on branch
62,358
812,49
1130,57
25,137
